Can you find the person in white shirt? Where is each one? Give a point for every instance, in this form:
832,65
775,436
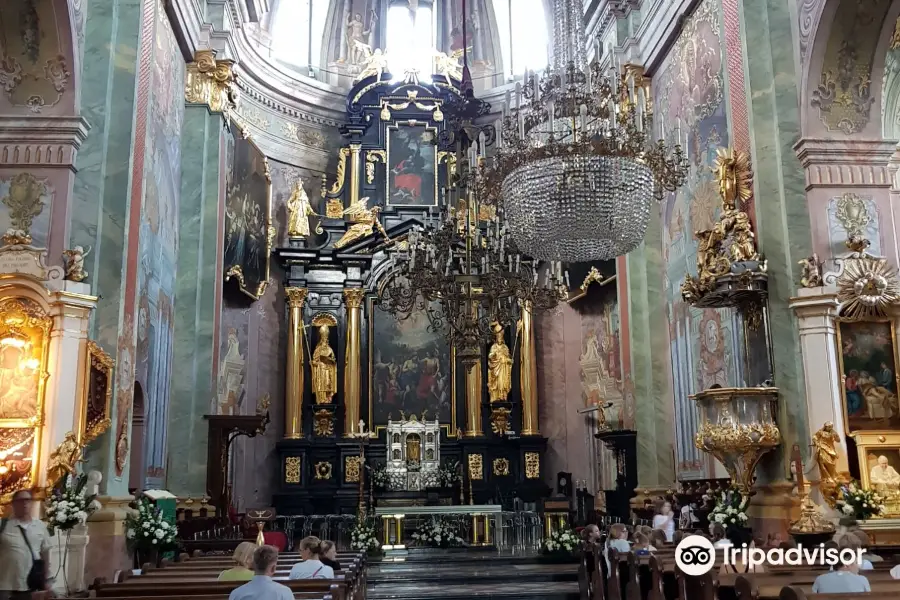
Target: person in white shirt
311,567
665,520
23,541
618,540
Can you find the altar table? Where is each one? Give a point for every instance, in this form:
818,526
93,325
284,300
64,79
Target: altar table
392,518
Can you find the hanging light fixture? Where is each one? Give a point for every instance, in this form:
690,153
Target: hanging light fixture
461,266
575,168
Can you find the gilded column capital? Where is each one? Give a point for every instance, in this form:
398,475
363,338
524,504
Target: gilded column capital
353,297
296,296
210,81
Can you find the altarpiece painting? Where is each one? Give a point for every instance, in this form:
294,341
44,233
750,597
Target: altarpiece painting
412,165
868,361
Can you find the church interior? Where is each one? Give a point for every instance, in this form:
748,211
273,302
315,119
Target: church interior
499,298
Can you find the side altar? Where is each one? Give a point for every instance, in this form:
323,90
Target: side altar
350,362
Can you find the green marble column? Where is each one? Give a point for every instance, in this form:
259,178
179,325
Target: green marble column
193,387
782,219
101,191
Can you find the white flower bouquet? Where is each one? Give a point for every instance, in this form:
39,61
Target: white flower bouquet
148,529
448,474
564,541
862,504
438,533
730,509
379,476
69,506
363,538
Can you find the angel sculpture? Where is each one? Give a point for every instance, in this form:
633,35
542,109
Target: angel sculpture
811,272
448,64
74,260
375,63
366,221
64,459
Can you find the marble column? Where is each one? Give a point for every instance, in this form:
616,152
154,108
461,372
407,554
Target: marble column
294,383
528,373
353,298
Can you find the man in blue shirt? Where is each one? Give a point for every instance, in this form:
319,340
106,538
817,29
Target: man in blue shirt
261,587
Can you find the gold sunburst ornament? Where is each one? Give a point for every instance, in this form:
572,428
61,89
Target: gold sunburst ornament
735,178
867,285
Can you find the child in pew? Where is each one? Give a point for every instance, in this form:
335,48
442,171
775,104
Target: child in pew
243,558
845,579
261,587
641,545
329,555
311,567
738,538
618,540
659,538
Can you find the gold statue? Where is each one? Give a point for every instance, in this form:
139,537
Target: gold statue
375,62
299,209
823,442
499,367
448,64
324,369
743,247
64,459
734,176
366,221
811,272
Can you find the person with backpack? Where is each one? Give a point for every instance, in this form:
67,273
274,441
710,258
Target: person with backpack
24,551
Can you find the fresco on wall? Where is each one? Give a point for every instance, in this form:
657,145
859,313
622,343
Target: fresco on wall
601,359
159,244
33,69
689,93
26,203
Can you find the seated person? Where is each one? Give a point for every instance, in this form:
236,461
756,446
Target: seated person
845,579
865,543
659,538
851,540
311,567
641,545
618,541
243,559
590,534
329,555
738,538
717,534
265,561
677,537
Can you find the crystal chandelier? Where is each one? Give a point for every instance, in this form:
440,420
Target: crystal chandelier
575,167
461,266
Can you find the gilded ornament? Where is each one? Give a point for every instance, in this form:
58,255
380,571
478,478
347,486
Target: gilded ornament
867,285
323,470
476,467
593,276
351,469
295,296
811,272
853,214
366,221
100,366
500,420
375,62
323,423
811,519
372,157
499,369
824,444
210,81
353,297
25,202
448,64
292,469
895,37
501,467
74,260
334,209
739,447
338,186
64,459
323,367
299,211
732,169
532,465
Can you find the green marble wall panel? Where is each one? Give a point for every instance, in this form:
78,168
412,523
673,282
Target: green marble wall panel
783,225
101,189
196,286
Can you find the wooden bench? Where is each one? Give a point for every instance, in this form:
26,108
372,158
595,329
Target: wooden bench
797,593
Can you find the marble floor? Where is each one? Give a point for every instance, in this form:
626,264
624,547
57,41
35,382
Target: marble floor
453,575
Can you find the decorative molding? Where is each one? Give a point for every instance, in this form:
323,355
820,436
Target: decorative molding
501,467
476,467
810,13
532,465
845,163
209,81
323,470
351,469
41,141
292,469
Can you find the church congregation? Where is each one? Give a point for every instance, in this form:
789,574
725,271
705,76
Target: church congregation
443,299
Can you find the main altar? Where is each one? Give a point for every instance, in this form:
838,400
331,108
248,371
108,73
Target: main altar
380,410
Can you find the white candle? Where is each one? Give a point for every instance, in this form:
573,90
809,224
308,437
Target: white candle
518,96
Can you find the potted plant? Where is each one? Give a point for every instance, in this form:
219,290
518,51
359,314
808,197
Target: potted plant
68,506
437,533
560,546
149,533
363,538
730,509
862,504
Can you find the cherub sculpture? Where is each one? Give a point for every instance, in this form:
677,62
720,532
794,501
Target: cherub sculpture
64,459
75,263
375,63
811,272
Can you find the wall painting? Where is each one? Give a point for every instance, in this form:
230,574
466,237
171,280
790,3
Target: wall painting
868,362
412,165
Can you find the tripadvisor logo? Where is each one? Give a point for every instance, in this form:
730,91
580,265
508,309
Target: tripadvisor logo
695,555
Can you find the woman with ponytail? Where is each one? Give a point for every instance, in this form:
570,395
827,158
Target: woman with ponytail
311,567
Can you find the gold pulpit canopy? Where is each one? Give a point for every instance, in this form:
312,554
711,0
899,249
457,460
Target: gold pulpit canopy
737,427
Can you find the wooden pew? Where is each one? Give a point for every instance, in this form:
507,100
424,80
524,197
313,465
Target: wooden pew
336,588
797,593
764,587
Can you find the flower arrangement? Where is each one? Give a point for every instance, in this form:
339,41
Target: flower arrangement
730,509
448,474
564,541
379,476
438,533
148,529
69,506
362,536
860,503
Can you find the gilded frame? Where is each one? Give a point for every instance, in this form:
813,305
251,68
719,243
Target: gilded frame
839,322
100,364
449,429
387,177
879,442
236,271
18,315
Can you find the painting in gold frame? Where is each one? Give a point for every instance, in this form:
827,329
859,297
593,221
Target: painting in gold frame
389,352
249,233
24,350
97,395
867,357
412,165
879,466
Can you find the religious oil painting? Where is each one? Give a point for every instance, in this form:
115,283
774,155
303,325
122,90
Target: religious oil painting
24,331
412,165
412,369
882,467
17,447
248,201
869,372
